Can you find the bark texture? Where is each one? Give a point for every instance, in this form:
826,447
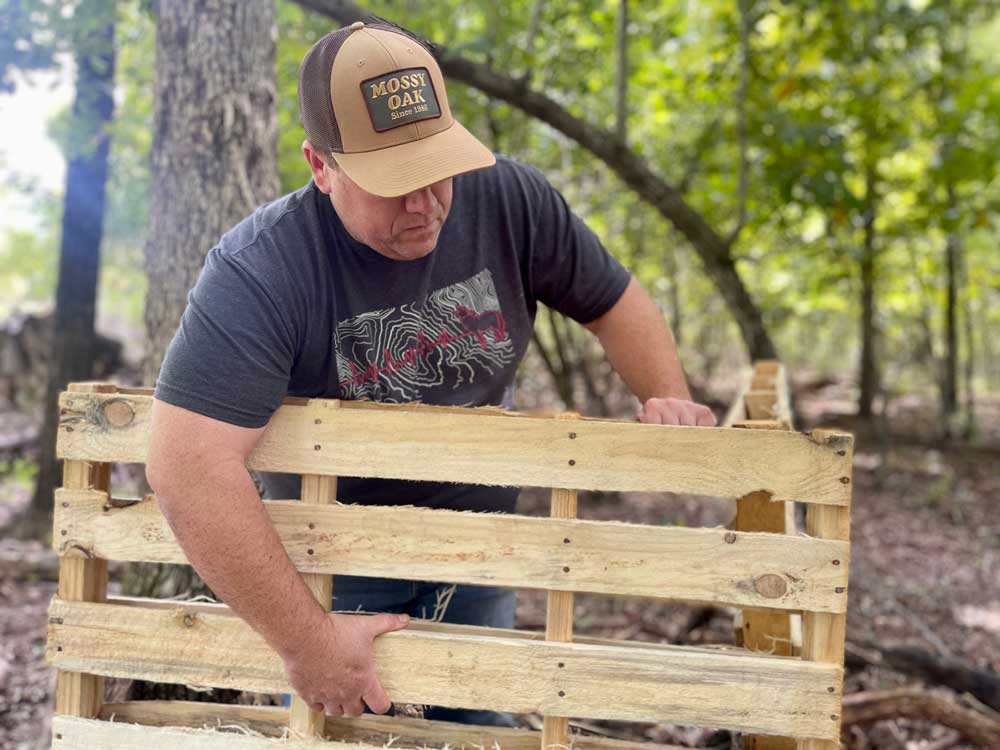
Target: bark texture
633,169
74,340
214,144
868,366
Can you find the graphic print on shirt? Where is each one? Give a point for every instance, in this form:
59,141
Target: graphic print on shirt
458,333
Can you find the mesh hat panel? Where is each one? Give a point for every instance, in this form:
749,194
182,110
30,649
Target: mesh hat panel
315,105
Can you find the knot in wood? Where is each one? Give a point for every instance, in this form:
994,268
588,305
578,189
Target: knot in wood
770,586
118,412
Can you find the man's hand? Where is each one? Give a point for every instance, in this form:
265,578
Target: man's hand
335,670
675,411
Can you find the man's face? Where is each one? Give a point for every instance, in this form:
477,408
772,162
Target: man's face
403,228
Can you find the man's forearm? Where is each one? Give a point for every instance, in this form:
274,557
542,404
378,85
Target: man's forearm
640,346
228,537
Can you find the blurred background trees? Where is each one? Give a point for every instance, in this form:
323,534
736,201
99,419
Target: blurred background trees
810,179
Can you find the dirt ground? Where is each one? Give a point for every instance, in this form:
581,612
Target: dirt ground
925,571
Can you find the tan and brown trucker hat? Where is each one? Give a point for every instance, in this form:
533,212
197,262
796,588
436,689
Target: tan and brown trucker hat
373,98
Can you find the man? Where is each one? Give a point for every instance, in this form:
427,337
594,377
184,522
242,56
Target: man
408,269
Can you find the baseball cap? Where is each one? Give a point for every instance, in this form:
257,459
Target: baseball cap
372,97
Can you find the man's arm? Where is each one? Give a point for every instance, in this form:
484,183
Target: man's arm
196,466
641,348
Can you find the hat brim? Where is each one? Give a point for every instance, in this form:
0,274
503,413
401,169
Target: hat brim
398,170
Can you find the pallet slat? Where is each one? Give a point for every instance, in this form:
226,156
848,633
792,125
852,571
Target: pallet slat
373,730
70,733
445,445
765,695
712,565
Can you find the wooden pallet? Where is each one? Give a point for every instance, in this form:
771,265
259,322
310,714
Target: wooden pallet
765,693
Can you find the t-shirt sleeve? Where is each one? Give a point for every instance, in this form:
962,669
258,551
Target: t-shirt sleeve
571,271
232,356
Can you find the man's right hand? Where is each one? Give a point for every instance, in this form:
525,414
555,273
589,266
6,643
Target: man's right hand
334,671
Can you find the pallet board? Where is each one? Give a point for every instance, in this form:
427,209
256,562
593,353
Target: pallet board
271,721
768,697
708,565
761,694
449,445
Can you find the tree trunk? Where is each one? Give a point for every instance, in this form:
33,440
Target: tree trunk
949,374
73,340
869,332
214,144
214,162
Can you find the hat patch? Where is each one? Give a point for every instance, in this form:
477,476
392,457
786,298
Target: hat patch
399,98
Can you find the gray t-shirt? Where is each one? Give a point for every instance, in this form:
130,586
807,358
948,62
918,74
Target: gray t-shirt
289,303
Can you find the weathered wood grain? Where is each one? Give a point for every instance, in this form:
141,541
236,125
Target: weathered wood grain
710,565
559,619
445,445
746,693
70,733
82,579
823,635
373,730
303,720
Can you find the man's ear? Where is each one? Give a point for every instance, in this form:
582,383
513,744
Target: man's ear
320,171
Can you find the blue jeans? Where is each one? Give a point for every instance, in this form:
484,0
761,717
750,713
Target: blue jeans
468,605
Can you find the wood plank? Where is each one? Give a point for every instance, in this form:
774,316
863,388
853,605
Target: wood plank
82,578
737,410
559,617
764,630
823,635
304,721
760,694
495,450
270,721
70,733
693,564
181,609
762,404
767,366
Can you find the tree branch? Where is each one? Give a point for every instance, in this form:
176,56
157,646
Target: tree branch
911,703
631,166
621,71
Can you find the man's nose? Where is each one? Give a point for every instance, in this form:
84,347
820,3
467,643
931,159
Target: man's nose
420,201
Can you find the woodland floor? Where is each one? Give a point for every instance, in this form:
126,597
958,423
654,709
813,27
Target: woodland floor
925,571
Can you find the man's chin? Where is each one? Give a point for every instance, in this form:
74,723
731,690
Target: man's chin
417,247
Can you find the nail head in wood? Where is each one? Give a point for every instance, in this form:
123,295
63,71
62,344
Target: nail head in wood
316,447
845,480
562,693
730,538
572,462
839,589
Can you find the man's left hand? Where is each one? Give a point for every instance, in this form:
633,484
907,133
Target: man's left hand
676,411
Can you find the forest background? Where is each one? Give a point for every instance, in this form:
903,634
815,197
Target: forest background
809,180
